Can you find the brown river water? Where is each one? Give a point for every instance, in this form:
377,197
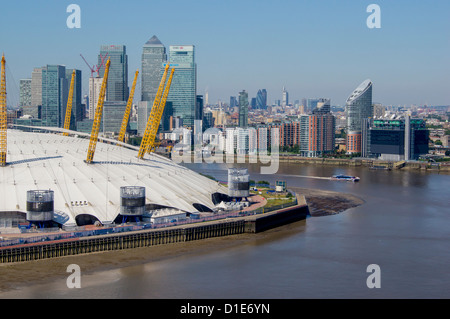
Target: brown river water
403,227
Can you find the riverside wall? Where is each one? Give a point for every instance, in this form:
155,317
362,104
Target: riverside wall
410,165
152,237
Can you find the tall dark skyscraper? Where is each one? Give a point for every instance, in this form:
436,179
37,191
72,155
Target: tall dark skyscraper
199,108
243,109
233,102
117,88
261,99
55,81
54,95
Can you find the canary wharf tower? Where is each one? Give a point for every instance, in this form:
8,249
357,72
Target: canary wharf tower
358,108
153,55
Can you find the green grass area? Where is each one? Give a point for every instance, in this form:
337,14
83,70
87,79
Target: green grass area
274,199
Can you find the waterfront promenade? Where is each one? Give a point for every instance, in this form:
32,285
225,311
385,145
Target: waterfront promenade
251,221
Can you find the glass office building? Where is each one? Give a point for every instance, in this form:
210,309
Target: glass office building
261,99
398,139
199,108
153,56
183,91
358,107
49,91
54,95
117,87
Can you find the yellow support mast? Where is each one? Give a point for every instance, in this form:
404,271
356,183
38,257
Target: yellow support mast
145,138
159,112
126,117
98,116
3,116
69,105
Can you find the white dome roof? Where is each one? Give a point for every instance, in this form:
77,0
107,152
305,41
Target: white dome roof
51,161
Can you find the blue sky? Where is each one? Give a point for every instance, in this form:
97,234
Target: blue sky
313,48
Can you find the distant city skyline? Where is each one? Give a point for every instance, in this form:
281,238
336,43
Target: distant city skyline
276,44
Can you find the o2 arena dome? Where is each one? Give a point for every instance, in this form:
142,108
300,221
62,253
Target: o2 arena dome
48,172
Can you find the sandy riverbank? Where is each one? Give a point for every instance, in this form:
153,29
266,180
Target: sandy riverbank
320,202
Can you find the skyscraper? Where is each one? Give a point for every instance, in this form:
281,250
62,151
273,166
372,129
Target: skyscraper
199,108
54,95
95,84
26,98
183,91
233,102
243,109
253,103
261,99
117,87
166,117
153,56
285,98
358,107
36,87
208,120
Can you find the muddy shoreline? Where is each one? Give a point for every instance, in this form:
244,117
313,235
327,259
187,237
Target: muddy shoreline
12,276
324,203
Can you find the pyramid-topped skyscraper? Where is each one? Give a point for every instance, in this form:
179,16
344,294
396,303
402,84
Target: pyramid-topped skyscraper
154,41
153,55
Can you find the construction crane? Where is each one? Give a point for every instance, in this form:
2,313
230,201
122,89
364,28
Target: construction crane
95,68
3,116
69,105
159,112
126,116
98,116
152,117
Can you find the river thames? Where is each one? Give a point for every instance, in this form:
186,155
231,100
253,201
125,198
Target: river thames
403,227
